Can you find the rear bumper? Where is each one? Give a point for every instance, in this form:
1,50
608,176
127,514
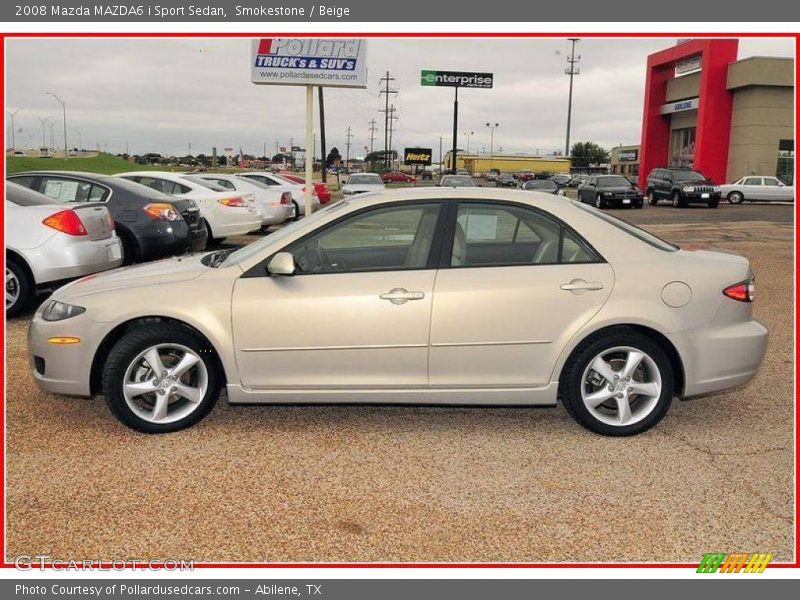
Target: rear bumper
171,239
717,358
237,221
275,214
57,260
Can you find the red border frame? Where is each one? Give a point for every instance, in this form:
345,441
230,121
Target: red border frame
796,36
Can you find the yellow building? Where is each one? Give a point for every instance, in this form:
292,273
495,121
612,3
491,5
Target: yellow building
509,163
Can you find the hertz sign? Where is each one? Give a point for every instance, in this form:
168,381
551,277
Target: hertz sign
418,156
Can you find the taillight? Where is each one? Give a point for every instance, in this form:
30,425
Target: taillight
111,223
744,291
235,201
66,221
286,198
163,211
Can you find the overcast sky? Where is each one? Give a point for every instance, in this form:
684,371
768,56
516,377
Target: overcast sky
160,95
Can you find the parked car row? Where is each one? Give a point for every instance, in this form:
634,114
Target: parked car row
55,220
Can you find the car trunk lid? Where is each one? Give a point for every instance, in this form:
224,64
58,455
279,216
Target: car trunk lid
96,219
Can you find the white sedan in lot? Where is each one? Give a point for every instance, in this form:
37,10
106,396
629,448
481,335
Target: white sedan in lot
225,213
438,295
361,183
275,206
763,189
48,243
298,190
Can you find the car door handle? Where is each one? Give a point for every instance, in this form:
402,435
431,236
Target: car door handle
401,296
578,285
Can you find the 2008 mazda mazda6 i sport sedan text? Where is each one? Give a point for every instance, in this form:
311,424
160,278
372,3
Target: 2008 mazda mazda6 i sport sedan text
444,296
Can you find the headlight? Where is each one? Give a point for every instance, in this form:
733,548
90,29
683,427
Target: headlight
717,188
58,311
608,193
688,188
346,192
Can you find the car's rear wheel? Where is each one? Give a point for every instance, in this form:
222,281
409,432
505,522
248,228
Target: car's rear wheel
735,197
211,241
20,288
619,383
651,198
296,211
161,379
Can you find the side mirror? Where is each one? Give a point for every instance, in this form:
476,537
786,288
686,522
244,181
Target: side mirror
281,264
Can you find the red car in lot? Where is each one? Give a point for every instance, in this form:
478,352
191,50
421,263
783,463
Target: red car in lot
323,193
397,176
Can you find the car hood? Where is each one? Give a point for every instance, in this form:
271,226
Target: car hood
700,181
169,270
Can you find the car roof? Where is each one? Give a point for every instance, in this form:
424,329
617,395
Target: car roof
456,193
83,174
22,196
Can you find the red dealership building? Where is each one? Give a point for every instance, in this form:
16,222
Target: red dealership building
707,110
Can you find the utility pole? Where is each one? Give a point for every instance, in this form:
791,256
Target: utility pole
265,150
387,91
392,118
372,130
64,110
190,148
491,127
349,137
44,121
441,160
454,155
13,114
322,149
571,70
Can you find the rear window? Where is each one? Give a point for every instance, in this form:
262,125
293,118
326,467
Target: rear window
365,180
687,176
632,230
214,187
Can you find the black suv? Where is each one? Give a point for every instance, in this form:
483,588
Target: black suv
681,187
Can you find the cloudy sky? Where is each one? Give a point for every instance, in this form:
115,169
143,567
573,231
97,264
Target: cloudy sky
161,95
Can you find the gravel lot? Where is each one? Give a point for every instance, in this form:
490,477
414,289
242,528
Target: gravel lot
424,484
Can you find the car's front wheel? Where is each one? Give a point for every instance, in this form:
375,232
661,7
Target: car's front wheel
161,378
598,202
677,200
618,383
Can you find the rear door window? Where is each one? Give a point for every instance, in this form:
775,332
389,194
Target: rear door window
68,190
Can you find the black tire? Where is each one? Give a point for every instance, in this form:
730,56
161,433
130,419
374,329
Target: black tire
296,211
735,198
25,286
129,253
598,202
572,374
651,198
638,205
677,200
713,203
211,241
131,345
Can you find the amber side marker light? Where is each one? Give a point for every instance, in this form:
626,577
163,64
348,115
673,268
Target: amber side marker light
64,340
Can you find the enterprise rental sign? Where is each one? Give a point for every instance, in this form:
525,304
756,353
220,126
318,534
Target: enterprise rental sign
303,61
457,79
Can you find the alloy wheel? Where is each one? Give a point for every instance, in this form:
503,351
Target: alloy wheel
165,383
736,198
598,202
12,288
621,386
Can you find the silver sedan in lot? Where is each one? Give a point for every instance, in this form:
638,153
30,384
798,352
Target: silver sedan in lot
48,243
466,296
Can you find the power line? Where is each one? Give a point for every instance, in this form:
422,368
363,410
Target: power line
387,91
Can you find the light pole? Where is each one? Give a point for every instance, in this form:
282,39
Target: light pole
492,127
64,110
13,114
469,134
571,70
44,121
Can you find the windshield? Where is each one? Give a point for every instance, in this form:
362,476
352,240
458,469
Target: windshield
205,183
367,179
252,249
687,176
458,181
639,234
613,182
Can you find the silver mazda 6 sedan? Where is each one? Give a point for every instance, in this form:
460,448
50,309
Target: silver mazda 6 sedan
444,296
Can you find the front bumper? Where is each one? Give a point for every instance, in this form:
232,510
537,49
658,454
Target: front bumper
720,357
64,368
697,197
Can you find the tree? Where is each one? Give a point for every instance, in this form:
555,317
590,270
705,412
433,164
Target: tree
280,157
334,156
588,153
